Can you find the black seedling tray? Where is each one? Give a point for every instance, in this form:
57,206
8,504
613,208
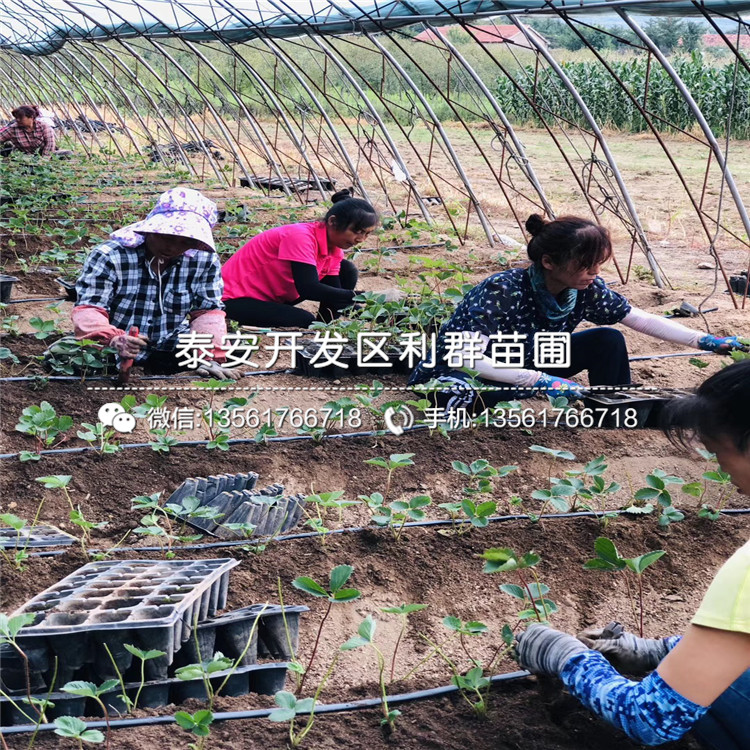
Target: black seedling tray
234,496
269,514
6,287
616,405
145,603
263,679
647,405
230,632
41,535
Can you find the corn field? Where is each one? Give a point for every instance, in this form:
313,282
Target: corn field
713,87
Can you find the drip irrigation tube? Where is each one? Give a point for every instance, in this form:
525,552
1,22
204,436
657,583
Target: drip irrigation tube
36,299
359,529
262,713
74,378
667,356
234,441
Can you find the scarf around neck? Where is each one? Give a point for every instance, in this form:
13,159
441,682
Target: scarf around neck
553,309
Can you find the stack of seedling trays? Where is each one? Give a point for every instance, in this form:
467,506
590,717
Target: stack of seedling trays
83,623
630,409
235,500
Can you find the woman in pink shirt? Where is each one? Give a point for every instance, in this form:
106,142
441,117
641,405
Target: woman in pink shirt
277,269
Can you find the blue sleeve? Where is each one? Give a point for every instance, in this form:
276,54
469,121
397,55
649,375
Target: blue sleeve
604,306
649,712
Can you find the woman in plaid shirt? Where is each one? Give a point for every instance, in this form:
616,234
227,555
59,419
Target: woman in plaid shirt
28,133
161,276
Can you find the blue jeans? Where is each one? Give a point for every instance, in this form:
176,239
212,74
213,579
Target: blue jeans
726,726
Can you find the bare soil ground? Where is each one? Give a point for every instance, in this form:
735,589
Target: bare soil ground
424,566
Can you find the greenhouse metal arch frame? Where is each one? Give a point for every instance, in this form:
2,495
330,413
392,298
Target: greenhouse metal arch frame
308,111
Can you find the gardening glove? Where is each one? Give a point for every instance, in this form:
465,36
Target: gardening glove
551,385
127,346
391,295
625,651
215,370
721,345
544,650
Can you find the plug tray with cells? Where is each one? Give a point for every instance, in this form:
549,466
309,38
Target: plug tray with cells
228,506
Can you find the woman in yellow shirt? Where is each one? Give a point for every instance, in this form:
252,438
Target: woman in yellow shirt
701,681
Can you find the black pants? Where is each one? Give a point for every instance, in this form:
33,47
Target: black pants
601,351
254,312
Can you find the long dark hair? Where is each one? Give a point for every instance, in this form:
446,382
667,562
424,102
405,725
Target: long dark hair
568,239
351,213
719,409
26,110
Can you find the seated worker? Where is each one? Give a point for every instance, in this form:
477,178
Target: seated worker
556,292
161,275
278,268
30,133
702,680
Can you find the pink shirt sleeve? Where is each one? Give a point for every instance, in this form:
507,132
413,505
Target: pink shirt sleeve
298,245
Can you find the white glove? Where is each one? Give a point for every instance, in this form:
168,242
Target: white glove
391,295
215,370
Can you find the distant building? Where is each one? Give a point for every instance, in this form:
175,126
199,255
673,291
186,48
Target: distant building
715,40
488,34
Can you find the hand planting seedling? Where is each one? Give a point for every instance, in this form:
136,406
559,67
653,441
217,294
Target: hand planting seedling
608,558
533,595
335,594
366,637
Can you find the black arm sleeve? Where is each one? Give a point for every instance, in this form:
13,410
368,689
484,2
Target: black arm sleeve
309,287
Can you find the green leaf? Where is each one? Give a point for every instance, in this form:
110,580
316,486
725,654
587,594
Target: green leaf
285,699
366,629
718,476
514,590
354,642
404,609
92,736
340,575
346,595
69,726
647,493
80,687
695,489
654,481
306,584
9,519
144,655
55,481
640,563
461,467
606,550
452,623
